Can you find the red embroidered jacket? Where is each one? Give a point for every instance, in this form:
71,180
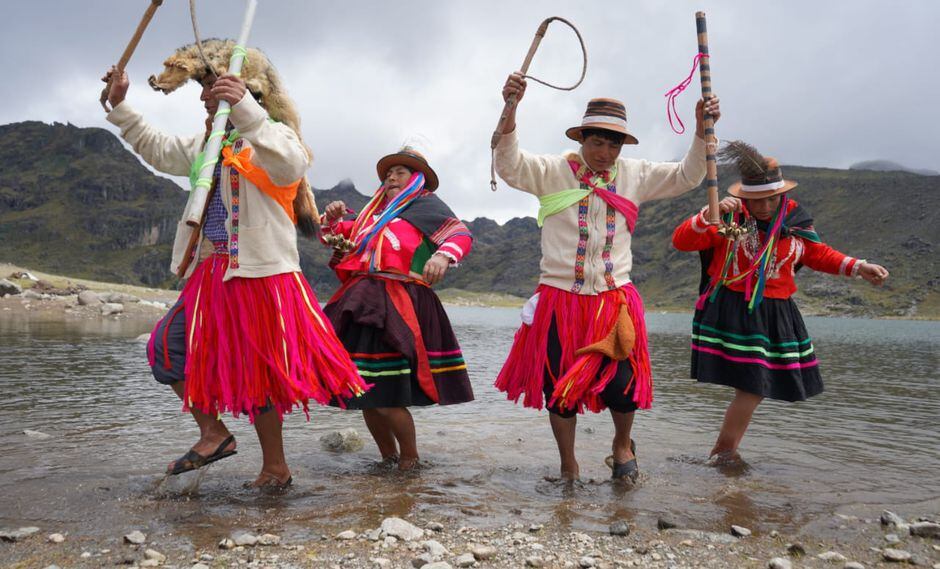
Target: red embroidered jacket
695,235
405,250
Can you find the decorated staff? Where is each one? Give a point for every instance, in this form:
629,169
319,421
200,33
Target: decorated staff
197,204
711,142
512,100
129,50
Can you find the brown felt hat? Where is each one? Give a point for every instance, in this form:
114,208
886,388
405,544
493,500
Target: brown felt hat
604,114
762,185
411,159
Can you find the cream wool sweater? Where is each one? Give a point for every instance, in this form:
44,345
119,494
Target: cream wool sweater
638,180
267,238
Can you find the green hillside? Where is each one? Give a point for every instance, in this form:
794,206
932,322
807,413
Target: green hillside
74,201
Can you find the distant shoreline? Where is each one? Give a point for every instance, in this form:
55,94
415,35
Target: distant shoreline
448,296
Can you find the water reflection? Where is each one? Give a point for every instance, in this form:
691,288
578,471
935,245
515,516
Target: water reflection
870,439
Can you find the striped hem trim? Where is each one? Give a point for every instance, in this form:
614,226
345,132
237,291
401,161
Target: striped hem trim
745,337
760,349
446,369
367,373
757,361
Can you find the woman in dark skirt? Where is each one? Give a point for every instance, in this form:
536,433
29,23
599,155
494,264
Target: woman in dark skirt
747,332
385,312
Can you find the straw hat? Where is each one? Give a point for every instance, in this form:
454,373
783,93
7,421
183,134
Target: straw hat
411,159
760,175
604,114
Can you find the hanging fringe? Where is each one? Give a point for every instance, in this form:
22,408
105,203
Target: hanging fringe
257,342
580,320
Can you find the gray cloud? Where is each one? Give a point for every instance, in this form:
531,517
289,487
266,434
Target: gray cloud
813,83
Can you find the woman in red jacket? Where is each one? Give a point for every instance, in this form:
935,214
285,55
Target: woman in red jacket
747,332
385,312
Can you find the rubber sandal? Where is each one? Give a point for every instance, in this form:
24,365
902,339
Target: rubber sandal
192,460
624,470
271,482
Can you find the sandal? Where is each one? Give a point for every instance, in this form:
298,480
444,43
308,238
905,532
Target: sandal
624,470
192,460
269,481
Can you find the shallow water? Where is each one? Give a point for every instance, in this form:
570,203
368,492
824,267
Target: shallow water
871,439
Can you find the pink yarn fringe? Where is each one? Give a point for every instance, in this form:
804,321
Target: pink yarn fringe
252,342
580,320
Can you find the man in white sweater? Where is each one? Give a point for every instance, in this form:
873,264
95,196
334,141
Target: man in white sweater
582,345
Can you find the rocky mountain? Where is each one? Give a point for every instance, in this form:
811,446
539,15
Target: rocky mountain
74,201
889,166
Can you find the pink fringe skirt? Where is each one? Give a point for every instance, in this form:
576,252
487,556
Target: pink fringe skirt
257,342
580,320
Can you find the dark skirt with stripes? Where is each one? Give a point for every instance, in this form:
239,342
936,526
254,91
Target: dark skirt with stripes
382,345
767,352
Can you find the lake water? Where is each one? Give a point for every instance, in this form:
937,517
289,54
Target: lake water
870,441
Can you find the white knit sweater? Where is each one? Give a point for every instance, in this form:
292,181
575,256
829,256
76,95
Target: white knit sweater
637,180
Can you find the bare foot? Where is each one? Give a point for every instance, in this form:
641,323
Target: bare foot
407,463
570,471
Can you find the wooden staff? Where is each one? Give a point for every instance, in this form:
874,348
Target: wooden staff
196,210
511,102
711,142
129,50
197,203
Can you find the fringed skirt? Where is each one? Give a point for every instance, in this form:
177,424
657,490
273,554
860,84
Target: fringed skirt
767,352
579,377
252,344
402,342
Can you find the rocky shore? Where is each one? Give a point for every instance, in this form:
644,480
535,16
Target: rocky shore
49,297
888,541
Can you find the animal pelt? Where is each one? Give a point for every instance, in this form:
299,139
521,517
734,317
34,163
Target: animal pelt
262,80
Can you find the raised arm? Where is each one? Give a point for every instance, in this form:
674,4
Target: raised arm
169,154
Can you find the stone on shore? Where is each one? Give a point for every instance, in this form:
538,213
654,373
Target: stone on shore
483,552
779,563
136,537
227,543
346,440
619,528
889,518
155,555
245,539
119,297
853,565
831,556
346,535
110,308
926,529
9,287
465,560
17,534
269,539
397,527
896,555
438,565
88,298
740,531
435,548
665,522
56,538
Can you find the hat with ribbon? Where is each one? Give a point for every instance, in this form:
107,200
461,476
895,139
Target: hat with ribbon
760,175
411,159
604,114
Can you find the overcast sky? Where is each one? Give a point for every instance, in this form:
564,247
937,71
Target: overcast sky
818,83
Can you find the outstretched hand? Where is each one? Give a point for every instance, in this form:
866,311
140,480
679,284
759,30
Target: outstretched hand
875,274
